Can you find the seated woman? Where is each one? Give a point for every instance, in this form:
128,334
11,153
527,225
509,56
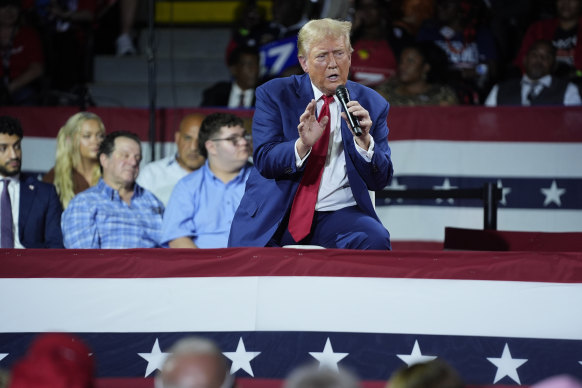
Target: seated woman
77,166
416,79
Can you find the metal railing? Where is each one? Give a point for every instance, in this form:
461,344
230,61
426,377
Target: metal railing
490,194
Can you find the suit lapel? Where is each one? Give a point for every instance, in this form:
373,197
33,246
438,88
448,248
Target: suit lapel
27,194
303,90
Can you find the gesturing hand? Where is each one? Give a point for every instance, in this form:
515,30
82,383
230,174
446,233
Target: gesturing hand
310,130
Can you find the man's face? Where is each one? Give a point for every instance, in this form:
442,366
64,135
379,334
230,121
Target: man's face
10,155
187,141
539,61
327,63
246,71
121,168
193,371
233,150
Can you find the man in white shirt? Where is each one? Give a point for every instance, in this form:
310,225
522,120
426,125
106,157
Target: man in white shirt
161,176
537,86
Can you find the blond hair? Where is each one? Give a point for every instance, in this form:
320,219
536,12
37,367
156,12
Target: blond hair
315,30
68,155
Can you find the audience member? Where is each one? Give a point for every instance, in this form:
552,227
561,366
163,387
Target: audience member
313,376
469,46
55,360
161,176
565,32
30,211
240,92
77,166
66,28
413,14
559,381
117,212
407,18
124,44
415,83
279,53
288,17
508,22
372,60
338,213
537,86
194,362
251,28
202,205
432,374
21,52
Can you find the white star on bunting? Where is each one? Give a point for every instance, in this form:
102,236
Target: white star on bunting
504,192
155,358
446,186
394,185
3,355
241,359
553,194
507,366
416,356
328,358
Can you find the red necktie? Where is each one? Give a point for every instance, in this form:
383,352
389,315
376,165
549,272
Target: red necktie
303,207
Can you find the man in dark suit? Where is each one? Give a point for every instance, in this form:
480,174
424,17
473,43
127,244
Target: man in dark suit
35,205
243,64
538,85
286,132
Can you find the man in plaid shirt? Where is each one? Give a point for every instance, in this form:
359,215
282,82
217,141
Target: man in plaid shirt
117,212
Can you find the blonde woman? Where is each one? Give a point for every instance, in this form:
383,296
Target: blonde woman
77,166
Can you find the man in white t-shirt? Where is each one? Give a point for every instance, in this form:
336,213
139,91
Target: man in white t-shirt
161,176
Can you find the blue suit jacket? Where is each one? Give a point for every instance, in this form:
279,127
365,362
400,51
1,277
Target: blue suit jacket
39,220
274,179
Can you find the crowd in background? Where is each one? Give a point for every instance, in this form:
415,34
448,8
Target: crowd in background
414,52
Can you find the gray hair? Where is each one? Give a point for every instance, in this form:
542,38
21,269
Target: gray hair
313,376
194,346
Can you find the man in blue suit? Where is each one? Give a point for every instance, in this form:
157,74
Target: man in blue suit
285,135
33,209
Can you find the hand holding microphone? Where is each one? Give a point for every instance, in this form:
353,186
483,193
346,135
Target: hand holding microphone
344,97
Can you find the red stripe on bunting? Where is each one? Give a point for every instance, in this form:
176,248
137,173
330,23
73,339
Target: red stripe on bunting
463,123
561,267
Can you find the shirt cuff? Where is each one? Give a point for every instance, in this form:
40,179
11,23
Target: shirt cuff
366,154
298,161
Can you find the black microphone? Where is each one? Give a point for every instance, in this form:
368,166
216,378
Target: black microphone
344,96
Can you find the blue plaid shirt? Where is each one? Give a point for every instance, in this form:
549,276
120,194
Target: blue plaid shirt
98,218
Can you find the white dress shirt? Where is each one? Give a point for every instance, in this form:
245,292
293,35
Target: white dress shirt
14,193
334,190
161,176
571,96
235,94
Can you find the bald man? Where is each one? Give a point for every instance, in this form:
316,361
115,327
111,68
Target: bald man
194,362
161,176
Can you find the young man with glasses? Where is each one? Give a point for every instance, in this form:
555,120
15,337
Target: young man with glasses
203,203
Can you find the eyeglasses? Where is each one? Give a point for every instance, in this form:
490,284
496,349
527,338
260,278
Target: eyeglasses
235,139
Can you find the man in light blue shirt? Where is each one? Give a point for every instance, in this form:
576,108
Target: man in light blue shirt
117,212
203,203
